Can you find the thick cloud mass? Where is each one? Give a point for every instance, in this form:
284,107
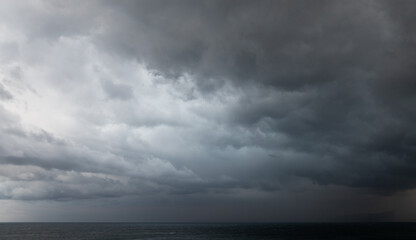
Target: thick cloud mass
137,98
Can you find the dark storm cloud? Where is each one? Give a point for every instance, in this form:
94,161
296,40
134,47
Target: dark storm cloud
284,44
346,69
243,95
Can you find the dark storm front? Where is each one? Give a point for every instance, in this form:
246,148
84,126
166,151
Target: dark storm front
66,231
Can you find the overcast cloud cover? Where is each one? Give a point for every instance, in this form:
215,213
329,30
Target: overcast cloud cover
207,110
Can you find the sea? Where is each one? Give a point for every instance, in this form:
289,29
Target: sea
124,231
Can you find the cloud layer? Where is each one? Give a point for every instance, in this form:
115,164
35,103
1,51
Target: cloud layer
130,98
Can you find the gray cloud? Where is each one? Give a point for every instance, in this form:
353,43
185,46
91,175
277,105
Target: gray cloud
119,91
283,44
186,98
4,94
333,77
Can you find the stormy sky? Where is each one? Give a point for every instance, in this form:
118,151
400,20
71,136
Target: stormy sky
207,110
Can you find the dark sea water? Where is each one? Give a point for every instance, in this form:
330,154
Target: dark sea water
344,231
